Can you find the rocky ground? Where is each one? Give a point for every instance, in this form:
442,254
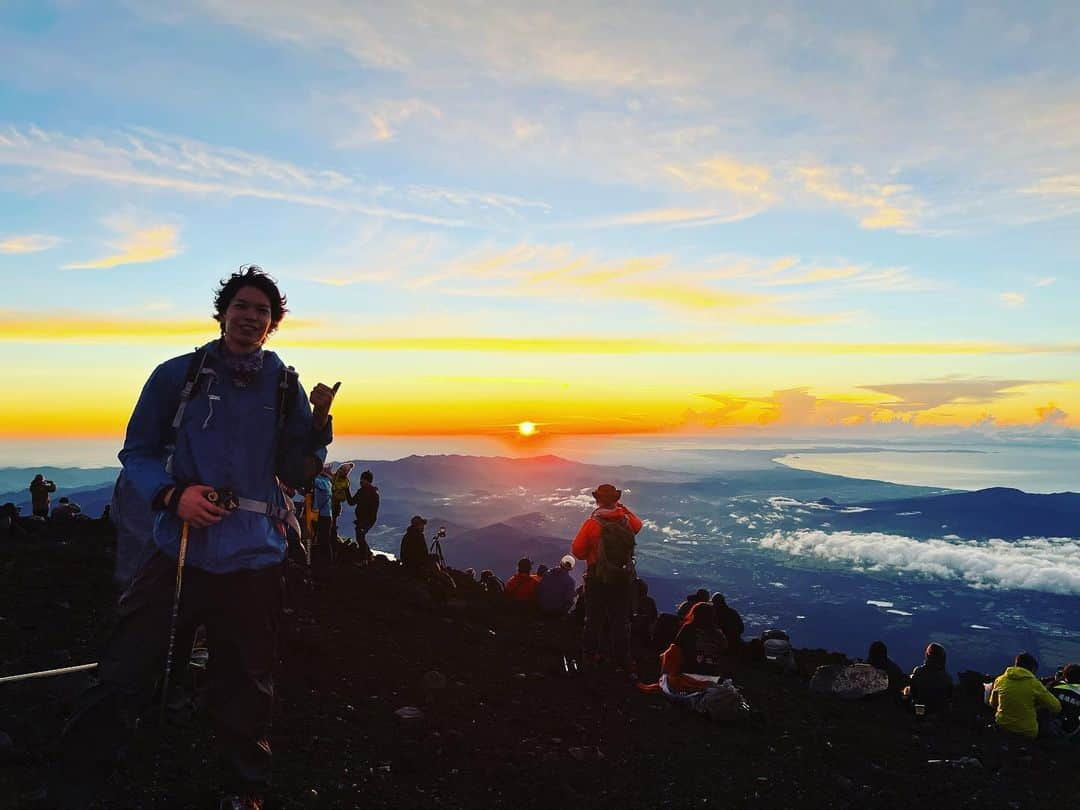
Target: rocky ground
504,726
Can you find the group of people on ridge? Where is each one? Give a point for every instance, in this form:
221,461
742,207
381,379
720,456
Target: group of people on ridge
217,445
1021,703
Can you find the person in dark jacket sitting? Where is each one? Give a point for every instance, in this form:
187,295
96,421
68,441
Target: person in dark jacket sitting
555,591
414,550
728,620
491,584
700,595
931,686
645,613
878,658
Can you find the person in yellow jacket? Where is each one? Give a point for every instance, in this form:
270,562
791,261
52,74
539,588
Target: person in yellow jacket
340,493
1016,695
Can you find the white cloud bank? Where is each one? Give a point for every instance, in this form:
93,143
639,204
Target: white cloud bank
1044,564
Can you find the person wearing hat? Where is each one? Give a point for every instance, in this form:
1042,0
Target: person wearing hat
605,602
555,591
414,550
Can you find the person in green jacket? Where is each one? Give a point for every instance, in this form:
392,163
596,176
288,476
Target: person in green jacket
1016,695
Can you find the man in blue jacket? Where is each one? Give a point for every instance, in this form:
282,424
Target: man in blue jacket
229,417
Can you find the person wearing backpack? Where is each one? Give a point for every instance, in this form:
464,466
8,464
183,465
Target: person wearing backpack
606,543
211,435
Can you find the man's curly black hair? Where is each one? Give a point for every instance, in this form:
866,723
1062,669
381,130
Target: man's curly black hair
250,275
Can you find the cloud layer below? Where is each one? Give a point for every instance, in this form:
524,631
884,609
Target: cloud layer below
1044,564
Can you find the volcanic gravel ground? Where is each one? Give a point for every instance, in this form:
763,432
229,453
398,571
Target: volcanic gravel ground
504,726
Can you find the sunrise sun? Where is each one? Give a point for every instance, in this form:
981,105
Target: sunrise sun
526,428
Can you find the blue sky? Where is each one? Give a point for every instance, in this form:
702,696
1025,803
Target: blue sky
758,181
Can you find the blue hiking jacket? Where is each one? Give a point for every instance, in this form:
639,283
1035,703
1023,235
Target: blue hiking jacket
324,496
228,438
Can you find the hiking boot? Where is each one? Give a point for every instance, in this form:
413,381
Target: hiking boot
248,801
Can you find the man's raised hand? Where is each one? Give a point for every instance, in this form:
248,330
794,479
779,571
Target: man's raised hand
322,397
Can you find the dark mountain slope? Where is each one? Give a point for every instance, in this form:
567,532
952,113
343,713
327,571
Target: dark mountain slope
507,730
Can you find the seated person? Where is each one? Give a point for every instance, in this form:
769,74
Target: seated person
65,509
698,649
665,629
931,686
645,613
1066,688
728,620
878,658
700,595
521,587
555,591
491,584
1016,695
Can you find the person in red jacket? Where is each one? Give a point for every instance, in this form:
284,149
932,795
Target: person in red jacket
521,587
607,599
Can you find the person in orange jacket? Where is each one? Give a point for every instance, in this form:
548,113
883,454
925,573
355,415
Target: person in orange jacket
1017,693
521,587
608,588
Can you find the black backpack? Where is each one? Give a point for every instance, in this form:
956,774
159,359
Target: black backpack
615,562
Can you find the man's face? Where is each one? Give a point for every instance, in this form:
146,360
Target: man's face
247,319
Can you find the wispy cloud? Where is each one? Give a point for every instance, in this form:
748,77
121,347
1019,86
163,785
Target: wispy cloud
28,243
384,119
1012,299
60,327
877,205
1045,282
726,173
135,243
149,159
672,216
815,275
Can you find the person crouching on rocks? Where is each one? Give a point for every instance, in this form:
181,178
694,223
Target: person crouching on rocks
605,542
231,419
1017,696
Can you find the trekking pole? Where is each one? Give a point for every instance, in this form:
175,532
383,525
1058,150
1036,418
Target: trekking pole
175,619
48,673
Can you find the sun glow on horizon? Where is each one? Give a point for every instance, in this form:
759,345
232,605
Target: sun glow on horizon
527,428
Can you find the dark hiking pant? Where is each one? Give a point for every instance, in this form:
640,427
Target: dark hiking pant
322,553
607,615
241,611
363,549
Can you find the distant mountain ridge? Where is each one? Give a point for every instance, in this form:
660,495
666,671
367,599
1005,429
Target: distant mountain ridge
444,472
998,512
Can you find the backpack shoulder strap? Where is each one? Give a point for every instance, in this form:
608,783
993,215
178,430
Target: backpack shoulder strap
191,384
288,390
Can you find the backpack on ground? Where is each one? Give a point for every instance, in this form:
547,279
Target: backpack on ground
778,650
723,703
615,562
